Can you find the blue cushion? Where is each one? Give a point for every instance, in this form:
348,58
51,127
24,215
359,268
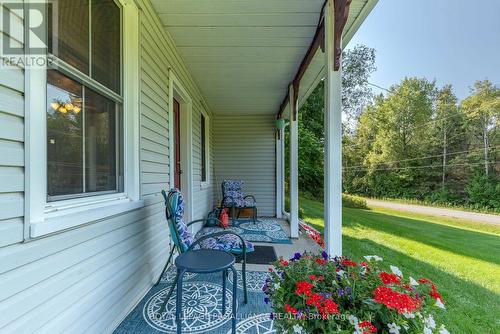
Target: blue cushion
226,242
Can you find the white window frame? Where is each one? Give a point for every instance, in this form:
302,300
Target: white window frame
42,217
206,183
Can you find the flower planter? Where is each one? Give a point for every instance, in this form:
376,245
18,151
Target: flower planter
315,294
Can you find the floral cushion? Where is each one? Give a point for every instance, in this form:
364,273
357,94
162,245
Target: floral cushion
231,191
232,185
226,242
186,238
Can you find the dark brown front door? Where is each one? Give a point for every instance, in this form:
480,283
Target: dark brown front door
177,143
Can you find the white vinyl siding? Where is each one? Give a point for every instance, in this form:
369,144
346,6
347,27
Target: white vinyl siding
157,55
87,279
11,142
245,150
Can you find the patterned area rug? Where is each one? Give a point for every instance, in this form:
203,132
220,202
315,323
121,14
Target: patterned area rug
202,305
263,230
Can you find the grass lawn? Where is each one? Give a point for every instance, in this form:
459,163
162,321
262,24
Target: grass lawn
461,257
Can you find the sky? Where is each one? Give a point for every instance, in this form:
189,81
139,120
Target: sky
453,41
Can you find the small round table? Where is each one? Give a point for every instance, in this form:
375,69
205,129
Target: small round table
205,261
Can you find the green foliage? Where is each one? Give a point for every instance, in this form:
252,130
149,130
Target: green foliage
484,191
358,64
354,202
367,297
444,249
418,143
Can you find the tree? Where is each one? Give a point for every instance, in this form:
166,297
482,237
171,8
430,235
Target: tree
394,131
358,64
448,123
482,110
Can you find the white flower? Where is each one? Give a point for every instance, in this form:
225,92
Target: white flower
298,329
440,304
429,322
393,328
443,330
395,270
405,327
427,330
357,330
340,273
409,315
373,257
352,319
413,282
276,286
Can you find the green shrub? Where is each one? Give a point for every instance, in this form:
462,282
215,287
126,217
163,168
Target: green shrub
483,191
354,202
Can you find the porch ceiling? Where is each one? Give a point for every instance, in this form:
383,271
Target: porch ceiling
243,54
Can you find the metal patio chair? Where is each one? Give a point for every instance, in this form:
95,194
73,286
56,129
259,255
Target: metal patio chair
207,238
234,199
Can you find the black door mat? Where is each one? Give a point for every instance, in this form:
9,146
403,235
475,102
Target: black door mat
260,255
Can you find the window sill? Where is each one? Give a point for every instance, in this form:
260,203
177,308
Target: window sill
63,219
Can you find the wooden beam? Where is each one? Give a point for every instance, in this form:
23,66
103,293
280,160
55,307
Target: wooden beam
282,106
341,14
318,42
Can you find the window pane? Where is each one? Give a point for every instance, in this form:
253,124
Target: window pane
100,143
106,55
64,135
69,32
203,150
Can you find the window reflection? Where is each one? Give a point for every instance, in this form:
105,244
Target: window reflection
64,135
69,32
100,142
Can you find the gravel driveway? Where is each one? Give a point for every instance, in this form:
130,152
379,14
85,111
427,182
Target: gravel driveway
478,217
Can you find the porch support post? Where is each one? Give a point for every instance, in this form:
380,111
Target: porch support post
279,174
333,140
294,165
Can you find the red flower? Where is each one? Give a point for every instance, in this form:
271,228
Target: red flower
314,299
364,263
330,307
320,278
367,327
290,309
425,281
321,261
434,293
389,278
400,302
349,263
270,270
303,287
312,277
285,263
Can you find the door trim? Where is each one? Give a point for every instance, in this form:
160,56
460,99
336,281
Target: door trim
176,90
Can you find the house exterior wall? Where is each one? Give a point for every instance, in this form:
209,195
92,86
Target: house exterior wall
245,150
11,148
88,278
